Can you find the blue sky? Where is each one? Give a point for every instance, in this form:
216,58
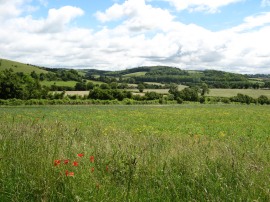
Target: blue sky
229,35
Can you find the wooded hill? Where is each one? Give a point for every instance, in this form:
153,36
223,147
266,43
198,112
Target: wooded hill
156,74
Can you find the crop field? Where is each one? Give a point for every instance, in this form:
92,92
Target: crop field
135,153
255,93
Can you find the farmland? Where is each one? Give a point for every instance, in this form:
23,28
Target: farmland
213,92
135,153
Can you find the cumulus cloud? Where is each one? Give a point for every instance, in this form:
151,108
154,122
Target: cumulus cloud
144,35
138,15
210,6
10,8
252,22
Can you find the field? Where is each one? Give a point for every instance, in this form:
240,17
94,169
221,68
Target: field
65,83
19,67
135,74
135,153
233,92
59,83
213,92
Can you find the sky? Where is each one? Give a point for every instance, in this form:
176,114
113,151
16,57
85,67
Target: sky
226,35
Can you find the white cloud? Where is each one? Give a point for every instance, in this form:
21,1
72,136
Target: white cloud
136,40
210,6
137,15
252,22
10,8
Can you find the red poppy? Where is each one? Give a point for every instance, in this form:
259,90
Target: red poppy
57,162
75,163
92,159
66,161
92,169
69,173
80,155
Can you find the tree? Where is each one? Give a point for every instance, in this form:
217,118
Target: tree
263,99
204,89
189,94
34,75
80,86
173,89
141,87
90,85
10,85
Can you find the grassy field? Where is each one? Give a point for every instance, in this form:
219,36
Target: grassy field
135,153
19,67
233,92
135,74
66,83
59,83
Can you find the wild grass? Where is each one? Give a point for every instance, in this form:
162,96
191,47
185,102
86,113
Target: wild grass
141,153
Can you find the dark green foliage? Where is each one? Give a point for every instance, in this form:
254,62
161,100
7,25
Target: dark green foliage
20,86
141,87
189,94
10,85
152,96
80,86
108,94
243,99
263,100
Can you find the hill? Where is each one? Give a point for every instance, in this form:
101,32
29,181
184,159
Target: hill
153,74
20,67
165,74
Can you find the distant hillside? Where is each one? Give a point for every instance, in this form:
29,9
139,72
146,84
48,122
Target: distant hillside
165,74
144,74
20,67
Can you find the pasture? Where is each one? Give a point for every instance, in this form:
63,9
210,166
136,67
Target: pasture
20,67
135,153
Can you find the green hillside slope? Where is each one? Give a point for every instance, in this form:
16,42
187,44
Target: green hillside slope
20,67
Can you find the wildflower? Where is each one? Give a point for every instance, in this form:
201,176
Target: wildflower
80,155
92,159
66,161
69,173
57,162
92,169
75,163
107,168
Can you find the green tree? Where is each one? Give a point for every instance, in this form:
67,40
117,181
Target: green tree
263,99
10,85
141,87
204,89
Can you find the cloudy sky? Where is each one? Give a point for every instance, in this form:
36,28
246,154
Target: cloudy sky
229,35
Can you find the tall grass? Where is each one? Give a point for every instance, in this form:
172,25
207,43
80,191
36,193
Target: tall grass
141,153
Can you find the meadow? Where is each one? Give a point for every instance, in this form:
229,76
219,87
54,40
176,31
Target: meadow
135,153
